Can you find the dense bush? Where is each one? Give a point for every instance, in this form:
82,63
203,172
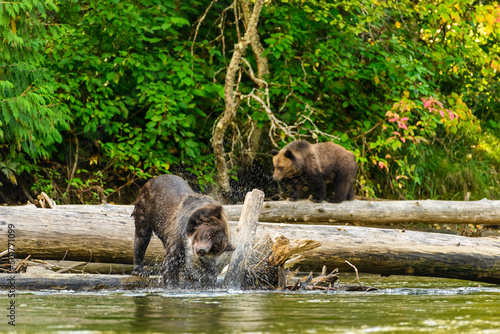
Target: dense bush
98,96
31,114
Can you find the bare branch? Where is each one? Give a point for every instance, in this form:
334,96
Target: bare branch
356,270
275,122
290,131
200,21
316,131
259,82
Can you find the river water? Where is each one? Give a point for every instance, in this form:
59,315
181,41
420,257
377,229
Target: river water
401,305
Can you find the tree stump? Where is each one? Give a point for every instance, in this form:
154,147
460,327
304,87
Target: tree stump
246,231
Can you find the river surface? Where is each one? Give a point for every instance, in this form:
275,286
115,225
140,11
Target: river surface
402,305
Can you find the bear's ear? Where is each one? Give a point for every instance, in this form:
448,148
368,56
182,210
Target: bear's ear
209,210
215,211
191,225
289,155
274,152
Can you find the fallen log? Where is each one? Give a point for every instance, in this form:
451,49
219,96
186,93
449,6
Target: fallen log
366,212
77,267
102,235
81,282
77,282
378,212
394,252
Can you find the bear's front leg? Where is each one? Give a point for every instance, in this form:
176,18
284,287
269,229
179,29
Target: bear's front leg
294,186
318,184
208,274
341,190
174,261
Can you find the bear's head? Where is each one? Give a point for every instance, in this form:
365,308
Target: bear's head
208,231
285,164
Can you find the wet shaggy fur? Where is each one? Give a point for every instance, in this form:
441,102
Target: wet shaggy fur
317,164
193,228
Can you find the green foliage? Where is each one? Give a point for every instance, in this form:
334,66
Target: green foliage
31,117
400,84
112,92
136,92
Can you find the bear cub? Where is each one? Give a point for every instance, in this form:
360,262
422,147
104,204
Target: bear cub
193,228
317,164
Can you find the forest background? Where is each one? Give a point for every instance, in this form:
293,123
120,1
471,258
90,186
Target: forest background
98,96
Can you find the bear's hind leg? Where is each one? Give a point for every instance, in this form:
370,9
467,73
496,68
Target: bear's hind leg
350,194
341,190
141,241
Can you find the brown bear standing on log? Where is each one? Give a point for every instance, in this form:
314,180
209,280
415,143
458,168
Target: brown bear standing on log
317,164
193,228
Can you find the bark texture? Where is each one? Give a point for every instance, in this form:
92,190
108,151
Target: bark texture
378,212
259,80
105,233
231,105
245,239
78,282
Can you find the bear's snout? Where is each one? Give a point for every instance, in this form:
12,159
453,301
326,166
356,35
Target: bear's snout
276,176
202,251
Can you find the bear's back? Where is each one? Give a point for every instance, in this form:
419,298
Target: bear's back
334,157
160,198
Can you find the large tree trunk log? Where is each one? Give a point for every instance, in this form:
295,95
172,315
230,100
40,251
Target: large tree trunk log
364,212
100,233
378,212
394,252
105,234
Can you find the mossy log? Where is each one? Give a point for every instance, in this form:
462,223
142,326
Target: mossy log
77,282
78,267
105,234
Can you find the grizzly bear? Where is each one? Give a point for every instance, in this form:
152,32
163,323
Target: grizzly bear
193,228
317,164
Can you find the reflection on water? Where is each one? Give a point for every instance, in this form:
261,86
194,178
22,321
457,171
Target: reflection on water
403,305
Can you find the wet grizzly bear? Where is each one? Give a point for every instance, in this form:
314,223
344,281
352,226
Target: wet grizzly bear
193,228
317,164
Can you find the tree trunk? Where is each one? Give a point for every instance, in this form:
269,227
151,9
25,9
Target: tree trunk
257,48
105,233
262,72
230,110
